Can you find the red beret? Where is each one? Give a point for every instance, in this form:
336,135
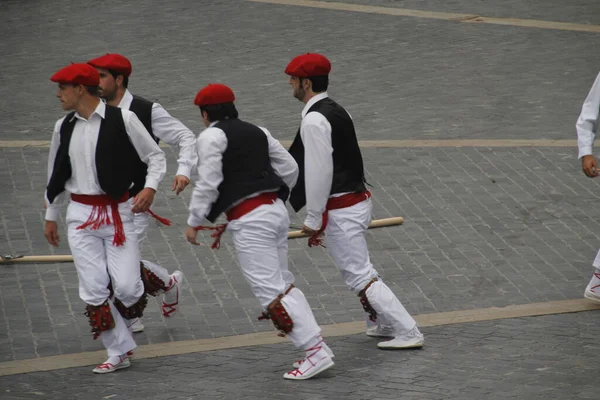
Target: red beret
215,93
309,64
114,62
77,74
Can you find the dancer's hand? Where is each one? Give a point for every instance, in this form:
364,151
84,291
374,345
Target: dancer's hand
51,233
308,231
590,166
179,183
143,200
191,235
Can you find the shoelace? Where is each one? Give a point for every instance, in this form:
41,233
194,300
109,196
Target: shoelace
315,349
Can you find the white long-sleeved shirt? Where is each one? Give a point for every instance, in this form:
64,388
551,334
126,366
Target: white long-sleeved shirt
171,131
315,132
210,145
82,151
587,123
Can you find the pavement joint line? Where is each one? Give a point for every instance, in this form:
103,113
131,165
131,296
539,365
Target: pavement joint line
383,143
456,17
52,363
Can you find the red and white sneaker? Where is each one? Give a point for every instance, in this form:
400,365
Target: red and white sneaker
297,364
592,291
317,360
112,364
170,303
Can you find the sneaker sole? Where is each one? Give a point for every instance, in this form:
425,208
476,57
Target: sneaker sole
108,371
591,297
138,330
412,346
305,377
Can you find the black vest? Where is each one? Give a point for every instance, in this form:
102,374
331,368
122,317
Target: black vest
114,155
348,172
143,109
246,166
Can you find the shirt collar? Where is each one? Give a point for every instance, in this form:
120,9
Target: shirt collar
213,124
312,101
100,110
125,102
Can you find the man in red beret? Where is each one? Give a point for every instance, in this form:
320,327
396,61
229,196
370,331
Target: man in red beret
331,185
246,174
92,155
114,70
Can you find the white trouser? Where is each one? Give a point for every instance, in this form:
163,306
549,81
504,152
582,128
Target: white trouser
261,244
346,242
141,221
98,262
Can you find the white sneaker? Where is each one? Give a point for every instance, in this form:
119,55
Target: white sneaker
297,364
591,294
136,326
312,365
380,331
170,303
413,339
112,364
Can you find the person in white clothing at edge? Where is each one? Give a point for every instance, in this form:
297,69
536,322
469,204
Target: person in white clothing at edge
245,173
115,70
92,153
587,127
332,187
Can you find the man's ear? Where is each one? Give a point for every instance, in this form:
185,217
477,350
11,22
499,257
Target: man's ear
119,80
306,84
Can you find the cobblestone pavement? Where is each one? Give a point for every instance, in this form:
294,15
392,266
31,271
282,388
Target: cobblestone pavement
550,357
484,227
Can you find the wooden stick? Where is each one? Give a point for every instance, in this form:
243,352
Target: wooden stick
378,223
37,259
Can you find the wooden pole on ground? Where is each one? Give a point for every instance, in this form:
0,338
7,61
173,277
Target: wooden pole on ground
10,259
377,223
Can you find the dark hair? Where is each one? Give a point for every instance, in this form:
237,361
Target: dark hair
93,90
115,74
218,112
319,83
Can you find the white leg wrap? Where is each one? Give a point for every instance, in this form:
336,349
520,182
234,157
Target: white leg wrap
305,328
118,340
387,305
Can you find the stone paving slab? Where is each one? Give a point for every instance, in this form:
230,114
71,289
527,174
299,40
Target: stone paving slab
549,357
399,77
483,227
577,11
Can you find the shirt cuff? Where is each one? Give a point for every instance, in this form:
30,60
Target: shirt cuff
585,151
151,183
313,222
184,170
52,214
194,221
